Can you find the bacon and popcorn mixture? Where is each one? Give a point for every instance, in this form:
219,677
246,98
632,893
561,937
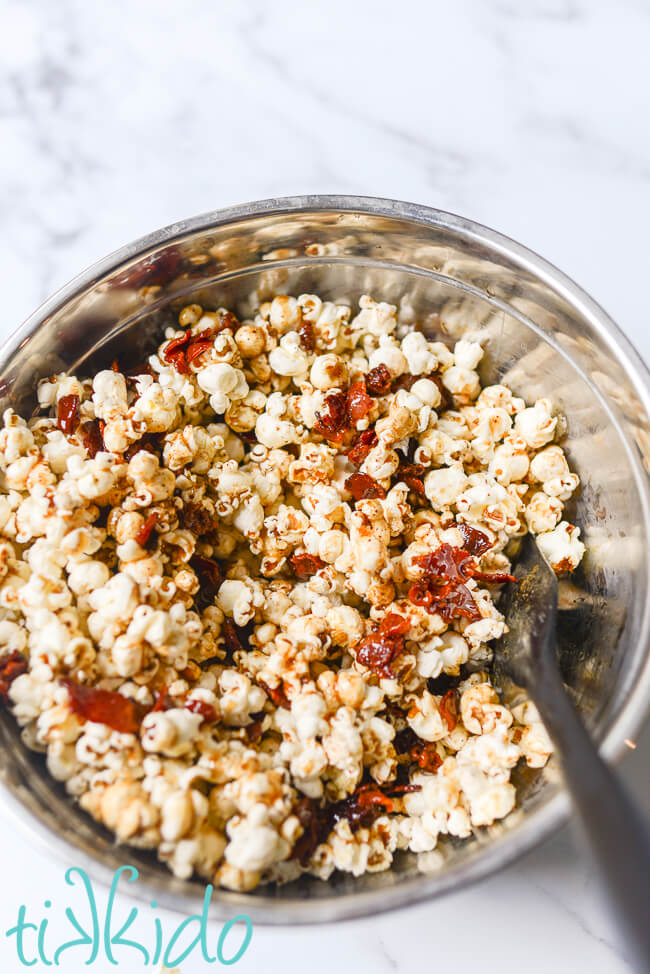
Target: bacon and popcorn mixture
248,588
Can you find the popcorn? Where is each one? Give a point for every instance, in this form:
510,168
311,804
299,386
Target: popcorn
214,634
562,547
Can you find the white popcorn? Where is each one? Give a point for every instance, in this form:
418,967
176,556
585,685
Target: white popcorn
443,486
289,358
419,356
536,425
223,383
562,547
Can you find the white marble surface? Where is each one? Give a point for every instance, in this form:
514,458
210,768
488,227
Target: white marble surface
528,115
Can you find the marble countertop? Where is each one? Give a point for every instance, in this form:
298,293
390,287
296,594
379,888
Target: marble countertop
529,116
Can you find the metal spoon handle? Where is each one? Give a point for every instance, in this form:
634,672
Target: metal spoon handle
619,837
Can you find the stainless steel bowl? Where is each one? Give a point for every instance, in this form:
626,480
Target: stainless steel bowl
546,337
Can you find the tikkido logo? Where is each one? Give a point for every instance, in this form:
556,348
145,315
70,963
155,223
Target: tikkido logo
94,935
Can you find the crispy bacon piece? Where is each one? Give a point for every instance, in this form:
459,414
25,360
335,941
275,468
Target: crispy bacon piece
341,410
105,707
313,819
404,381
492,578
410,474
231,640
378,650
254,730
206,710
426,757
449,708
367,803
378,380
11,667
143,535
476,542
442,587
67,414
92,437
362,486
197,518
358,402
361,446
332,421
162,700
307,336
209,575
305,565
275,694
422,753
181,352
147,442
360,810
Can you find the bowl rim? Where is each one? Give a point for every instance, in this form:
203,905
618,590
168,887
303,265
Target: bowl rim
530,832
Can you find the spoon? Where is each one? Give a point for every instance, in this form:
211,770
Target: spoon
618,836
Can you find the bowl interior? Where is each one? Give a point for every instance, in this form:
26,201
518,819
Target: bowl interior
452,280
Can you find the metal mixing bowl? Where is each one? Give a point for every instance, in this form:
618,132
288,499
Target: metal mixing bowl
546,337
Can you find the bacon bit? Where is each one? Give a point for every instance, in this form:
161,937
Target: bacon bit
315,829
394,625
11,667
333,419
307,336
404,381
206,710
92,437
476,542
449,708
229,320
254,730
305,565
162,701
181,352
197,519
378,650
146,442
378,380
232,642
68,414
422,753
105,707
144,533
411,474
442,588
492,578
209,575
439,685
405,740
361,446
360,810
341,410
196,349
358,402
364,487
426,757
275,694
